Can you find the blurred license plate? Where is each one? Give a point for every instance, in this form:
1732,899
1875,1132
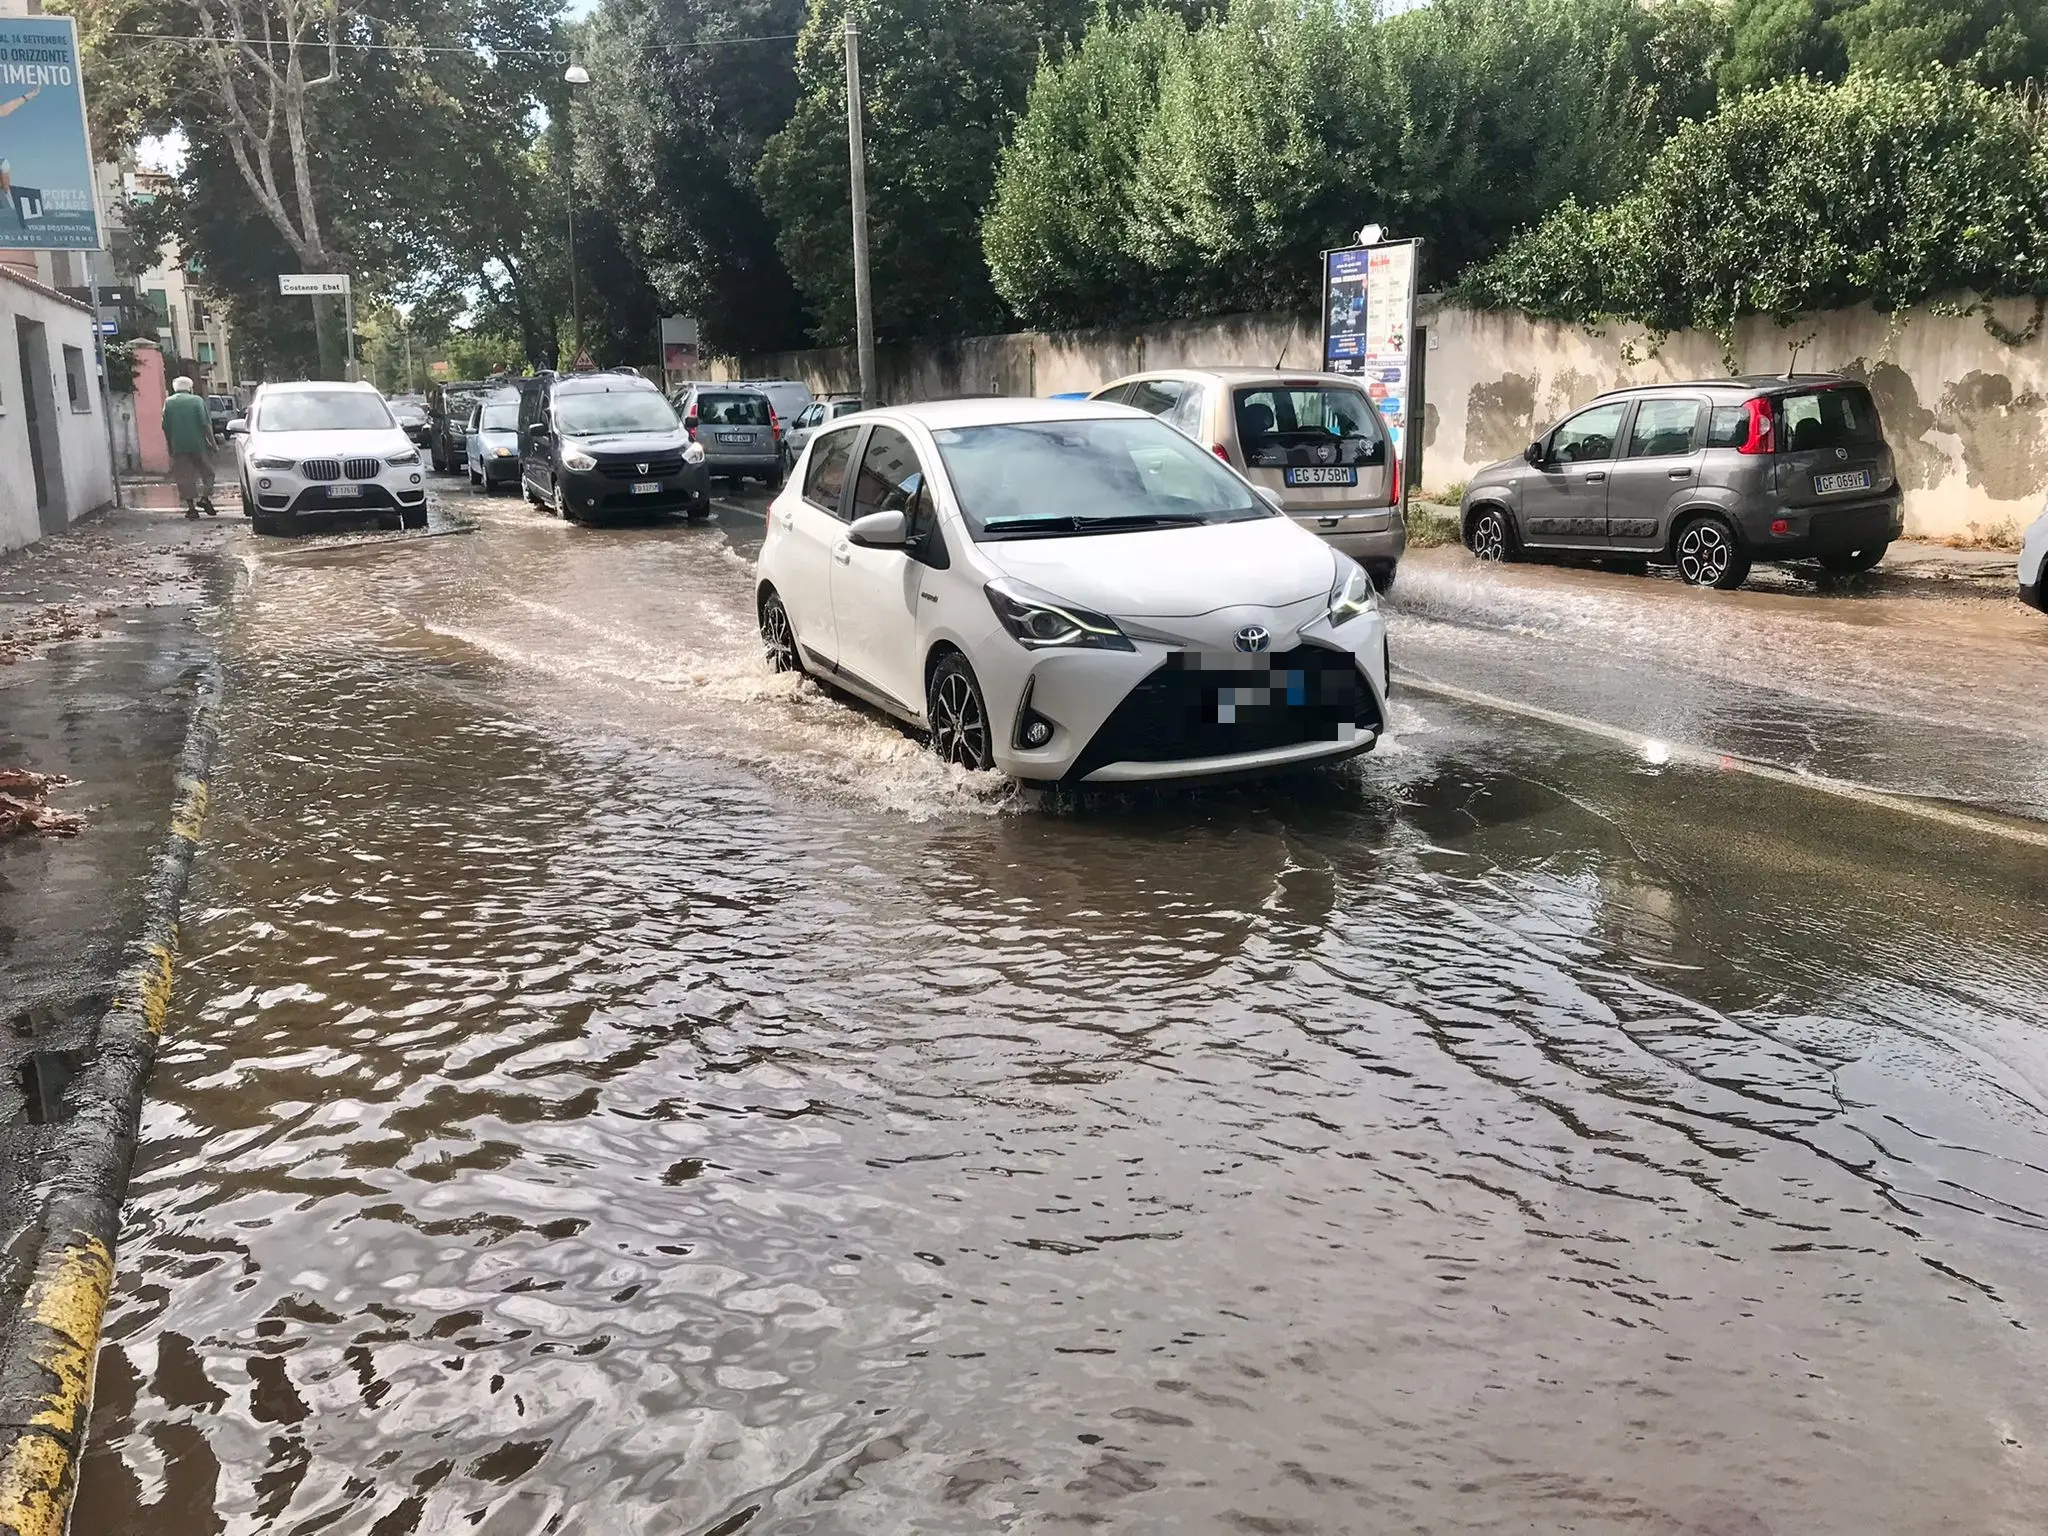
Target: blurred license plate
1336,474
735,437
1848,480
344,492
646,487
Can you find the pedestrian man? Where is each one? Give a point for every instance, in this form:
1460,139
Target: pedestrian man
188,426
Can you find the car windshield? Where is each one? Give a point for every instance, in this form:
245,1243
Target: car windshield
1280,425
601,412
323,410
1828,418
1040,478
408,412
500,418
733,410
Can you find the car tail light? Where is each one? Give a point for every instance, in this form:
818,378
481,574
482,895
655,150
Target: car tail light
774,424
1222,452
1781,526
1763,435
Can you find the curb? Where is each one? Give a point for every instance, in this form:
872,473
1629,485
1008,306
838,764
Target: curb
46,1380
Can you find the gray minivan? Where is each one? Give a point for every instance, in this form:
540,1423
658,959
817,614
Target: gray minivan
737,428
1314,440
1710,476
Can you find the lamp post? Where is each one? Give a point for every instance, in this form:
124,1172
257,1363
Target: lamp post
573,76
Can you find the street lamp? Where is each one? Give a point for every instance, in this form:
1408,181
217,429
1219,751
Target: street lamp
573,76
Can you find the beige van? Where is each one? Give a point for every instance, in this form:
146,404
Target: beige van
1315,439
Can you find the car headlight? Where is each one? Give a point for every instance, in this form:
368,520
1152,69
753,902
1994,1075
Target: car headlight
1038,621
271,463
694,454
578,460
401,460
1353,592
503,453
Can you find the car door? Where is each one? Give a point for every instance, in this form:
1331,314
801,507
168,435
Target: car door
875,591
1657,471
533,463
472,443
1563,500
813,525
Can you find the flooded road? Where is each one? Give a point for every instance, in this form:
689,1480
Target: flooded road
615,1090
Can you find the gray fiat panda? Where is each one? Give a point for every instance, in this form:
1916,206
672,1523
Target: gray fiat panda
1710,476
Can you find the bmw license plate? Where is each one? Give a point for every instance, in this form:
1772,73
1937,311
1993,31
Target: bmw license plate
344,492
647,488
735,437
1848,480
1334,474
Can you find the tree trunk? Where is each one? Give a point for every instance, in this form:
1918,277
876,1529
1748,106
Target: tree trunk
327,339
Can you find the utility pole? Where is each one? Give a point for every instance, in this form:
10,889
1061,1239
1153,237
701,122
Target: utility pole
857,155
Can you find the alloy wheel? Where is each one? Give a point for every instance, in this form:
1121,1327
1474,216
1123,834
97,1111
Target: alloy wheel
777,638
959,723
1489,537
1704,555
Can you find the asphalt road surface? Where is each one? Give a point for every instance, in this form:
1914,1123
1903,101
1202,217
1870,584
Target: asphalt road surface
615,1089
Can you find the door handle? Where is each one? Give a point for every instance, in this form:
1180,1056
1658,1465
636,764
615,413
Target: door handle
1596,477
1678,474
843,554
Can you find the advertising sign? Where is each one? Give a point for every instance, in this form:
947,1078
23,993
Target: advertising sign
1368,322
48,201
312,282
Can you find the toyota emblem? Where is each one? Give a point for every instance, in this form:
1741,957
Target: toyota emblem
641,467
1841,453
1253,638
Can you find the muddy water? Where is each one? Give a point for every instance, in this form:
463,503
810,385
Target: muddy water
612,1091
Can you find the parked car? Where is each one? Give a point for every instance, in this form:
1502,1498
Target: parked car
738,429
320,452
491,444
1316,440
2034,564
448,409
1711,476
788,396
220,410
1068,592
826,408
411,414
599,444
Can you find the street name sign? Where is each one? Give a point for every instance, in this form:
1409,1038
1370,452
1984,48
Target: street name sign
312,282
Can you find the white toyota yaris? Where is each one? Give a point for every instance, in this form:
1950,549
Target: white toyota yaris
1068,592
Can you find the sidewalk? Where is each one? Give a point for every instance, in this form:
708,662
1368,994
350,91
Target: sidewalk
107,645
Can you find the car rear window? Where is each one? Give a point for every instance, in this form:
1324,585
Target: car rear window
1843,417
1278,425
733,410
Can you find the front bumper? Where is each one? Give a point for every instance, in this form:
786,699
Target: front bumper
592,493
1833,530
1174,713
2035,596
376,497
498,471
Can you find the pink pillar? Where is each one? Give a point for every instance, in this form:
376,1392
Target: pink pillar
150,392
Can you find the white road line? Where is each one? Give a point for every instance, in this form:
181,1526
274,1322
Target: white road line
1701,757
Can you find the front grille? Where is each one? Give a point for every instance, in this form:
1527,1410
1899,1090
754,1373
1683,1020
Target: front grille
321,469
1310,693
642,469
363,469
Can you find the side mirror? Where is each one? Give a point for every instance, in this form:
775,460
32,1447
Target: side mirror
880,530
690,422
1534,452
1270,497
237,427
539,431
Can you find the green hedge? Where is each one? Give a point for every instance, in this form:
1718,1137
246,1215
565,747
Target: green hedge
1799,198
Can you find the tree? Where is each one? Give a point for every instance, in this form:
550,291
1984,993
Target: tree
1994,42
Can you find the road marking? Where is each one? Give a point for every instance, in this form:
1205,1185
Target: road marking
1701,757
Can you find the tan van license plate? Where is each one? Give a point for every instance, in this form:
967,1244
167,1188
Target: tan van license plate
1336,474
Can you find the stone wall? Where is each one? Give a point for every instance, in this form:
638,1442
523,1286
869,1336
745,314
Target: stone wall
1966,413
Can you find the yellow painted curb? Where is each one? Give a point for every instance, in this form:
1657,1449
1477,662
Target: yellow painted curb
66,1304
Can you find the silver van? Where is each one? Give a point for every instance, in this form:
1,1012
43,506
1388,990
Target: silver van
737,428
1710,476
1314,439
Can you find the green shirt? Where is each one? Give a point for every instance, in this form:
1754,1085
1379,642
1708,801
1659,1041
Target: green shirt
188,424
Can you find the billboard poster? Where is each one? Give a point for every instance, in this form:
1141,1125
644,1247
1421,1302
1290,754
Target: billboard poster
1368,322
48,201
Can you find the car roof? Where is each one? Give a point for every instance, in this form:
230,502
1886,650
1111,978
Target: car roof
319,386
1003,410
601,383
728,389
1745,384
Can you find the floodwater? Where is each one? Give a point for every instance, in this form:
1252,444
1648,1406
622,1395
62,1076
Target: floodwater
614,1090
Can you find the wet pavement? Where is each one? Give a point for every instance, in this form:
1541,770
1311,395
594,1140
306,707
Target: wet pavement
613,1089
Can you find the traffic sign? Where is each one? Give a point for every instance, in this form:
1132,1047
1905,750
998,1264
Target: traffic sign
312,282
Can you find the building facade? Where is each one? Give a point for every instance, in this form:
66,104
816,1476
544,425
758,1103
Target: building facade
55,461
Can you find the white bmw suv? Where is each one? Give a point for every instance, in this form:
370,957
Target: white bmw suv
327,451
1068,592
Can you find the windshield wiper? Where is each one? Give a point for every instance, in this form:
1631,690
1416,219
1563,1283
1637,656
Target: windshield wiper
1067,522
